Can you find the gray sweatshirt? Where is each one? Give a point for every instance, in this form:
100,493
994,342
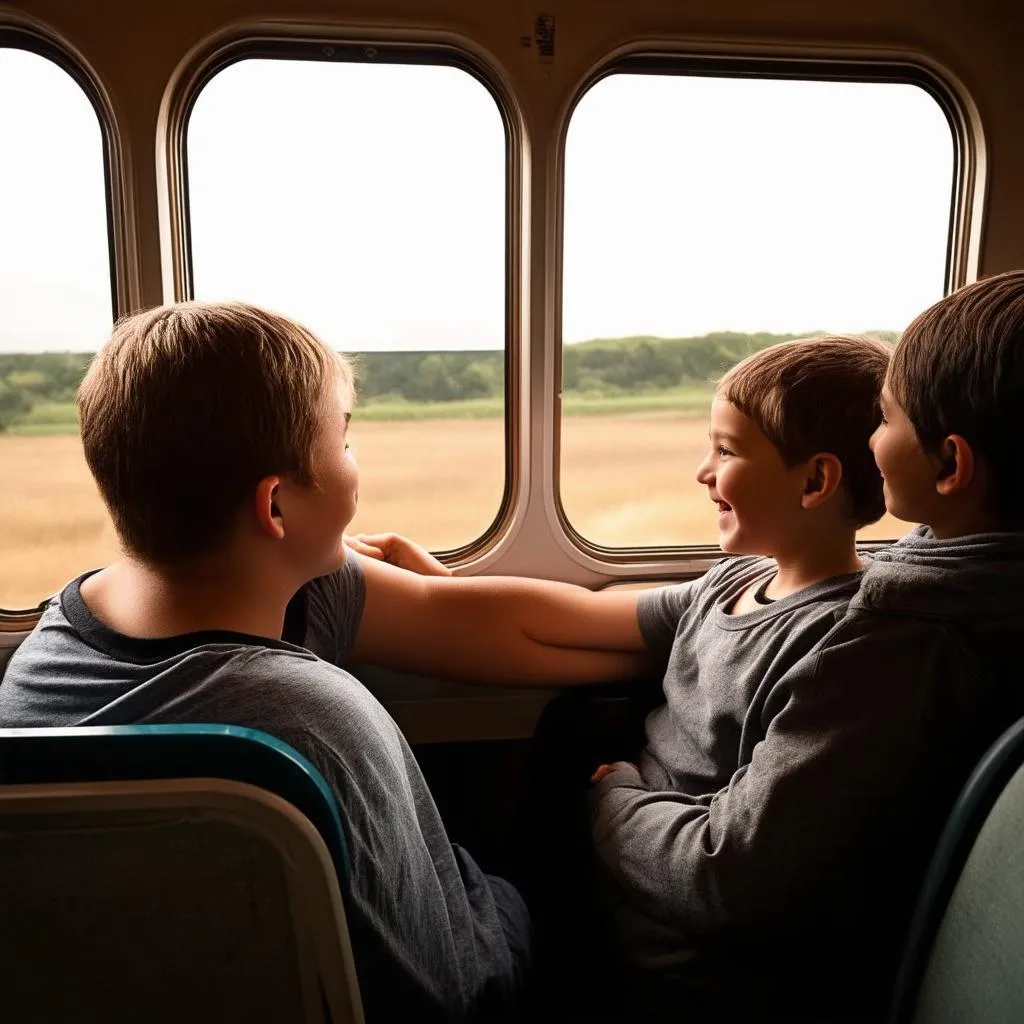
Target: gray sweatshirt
793,883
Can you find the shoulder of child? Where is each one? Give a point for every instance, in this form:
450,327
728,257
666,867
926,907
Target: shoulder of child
301,690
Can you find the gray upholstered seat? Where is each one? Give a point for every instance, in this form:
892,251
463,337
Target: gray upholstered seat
965,956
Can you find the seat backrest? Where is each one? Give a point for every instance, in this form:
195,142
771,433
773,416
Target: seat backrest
169,873
965,953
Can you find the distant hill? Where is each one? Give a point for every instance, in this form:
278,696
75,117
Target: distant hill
602,368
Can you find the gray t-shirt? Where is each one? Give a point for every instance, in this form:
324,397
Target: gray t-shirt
434,938
660,852
722,667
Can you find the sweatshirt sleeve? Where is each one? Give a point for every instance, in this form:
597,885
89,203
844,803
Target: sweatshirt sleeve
860,760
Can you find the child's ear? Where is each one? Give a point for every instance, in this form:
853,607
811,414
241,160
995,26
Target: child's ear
268,512
955,464
824,475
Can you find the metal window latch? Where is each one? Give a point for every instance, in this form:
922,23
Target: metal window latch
544,37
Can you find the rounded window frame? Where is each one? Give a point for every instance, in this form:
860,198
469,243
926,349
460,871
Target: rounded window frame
36,38
962,243
334,45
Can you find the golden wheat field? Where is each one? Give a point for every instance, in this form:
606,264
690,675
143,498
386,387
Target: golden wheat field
626,480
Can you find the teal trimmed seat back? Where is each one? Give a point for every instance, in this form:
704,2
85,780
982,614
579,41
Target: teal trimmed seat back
167,873
964,961
123,752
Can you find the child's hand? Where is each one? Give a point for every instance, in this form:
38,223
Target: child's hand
604,769
396,550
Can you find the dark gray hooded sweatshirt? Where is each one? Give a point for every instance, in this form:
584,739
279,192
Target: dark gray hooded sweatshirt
790,889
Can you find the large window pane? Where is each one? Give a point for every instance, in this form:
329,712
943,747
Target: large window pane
368,202
55,308
703,215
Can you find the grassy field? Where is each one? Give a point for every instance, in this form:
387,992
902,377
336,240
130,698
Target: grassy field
626,479
52,418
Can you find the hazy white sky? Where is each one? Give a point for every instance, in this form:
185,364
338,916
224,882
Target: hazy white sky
368,201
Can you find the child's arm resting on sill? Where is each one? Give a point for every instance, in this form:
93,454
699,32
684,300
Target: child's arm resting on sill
506,630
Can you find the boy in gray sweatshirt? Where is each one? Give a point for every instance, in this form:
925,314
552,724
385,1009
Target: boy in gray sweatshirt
786,893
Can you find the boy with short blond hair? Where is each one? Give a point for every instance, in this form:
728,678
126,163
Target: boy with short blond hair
217,434
183,408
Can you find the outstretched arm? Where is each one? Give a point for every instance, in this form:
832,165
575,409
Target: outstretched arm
504,630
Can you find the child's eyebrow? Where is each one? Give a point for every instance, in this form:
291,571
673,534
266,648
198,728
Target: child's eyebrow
718,435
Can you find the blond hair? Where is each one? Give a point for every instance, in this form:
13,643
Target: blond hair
188,407
819,395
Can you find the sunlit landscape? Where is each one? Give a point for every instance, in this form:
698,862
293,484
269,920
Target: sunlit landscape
688,231
628,480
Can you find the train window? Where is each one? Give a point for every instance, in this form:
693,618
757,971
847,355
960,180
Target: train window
55,308
705,217
368,201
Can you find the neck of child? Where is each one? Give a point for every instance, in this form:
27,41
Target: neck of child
813,560
967,510
143,600
964,522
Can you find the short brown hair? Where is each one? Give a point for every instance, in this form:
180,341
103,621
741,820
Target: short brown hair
959,369
188,407
819,395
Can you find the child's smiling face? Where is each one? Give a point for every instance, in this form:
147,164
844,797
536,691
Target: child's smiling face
757,494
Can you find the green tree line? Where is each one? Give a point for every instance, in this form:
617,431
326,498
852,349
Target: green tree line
603,368
31,379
